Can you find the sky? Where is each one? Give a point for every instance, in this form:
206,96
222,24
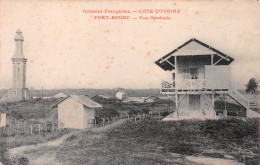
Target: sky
67,48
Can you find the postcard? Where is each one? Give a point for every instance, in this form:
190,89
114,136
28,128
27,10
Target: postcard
129,82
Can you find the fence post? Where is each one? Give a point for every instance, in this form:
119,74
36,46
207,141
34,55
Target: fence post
95,121
52,127
31,130
135,118
17,129
39,126
108,120
103,122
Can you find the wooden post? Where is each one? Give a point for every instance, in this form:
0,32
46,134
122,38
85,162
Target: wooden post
211,59
176,86
39,127
225,110
31,130
213,102
52,126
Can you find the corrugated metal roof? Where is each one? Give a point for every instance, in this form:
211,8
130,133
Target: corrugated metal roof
83,100
86,101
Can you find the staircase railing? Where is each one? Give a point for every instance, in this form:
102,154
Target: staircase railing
237,96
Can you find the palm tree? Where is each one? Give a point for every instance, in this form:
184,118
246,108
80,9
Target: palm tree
251,86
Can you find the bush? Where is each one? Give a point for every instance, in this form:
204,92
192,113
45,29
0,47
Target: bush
134,112
20,160
145,110
230,128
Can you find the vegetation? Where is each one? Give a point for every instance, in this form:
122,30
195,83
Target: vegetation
146,141
152,141
252,86
113,107
26,112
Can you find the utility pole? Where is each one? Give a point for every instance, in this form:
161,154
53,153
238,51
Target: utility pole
43,105
43,113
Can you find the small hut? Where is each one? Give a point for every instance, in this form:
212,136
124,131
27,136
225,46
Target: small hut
77,111
121,95
151,99
2,119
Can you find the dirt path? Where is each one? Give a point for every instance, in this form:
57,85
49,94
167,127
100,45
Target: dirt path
21,149
211,161
43,159
47,151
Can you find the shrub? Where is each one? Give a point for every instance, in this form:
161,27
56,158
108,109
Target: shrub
145,110
20,160
134,112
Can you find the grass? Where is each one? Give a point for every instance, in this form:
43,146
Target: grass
152,141
147,141
18,140
30,111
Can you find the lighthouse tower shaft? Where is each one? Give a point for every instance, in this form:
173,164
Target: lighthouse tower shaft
19,62
18,92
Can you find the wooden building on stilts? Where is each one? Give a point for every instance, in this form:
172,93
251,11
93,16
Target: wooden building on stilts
200,76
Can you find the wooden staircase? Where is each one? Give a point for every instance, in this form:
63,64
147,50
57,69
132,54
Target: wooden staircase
239,98
242,100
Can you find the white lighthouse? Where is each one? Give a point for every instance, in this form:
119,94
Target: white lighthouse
19,91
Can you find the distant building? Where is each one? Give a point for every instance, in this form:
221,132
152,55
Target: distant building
77,111
134,100
121,95
151,99
102,96
2,119
60,95
19,91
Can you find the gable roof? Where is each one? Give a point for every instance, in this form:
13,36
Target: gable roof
153,98
193,47
83,100
60,94
102,96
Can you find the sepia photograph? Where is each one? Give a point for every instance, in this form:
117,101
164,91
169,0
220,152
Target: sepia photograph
97,82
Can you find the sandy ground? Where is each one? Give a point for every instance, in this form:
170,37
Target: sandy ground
211,161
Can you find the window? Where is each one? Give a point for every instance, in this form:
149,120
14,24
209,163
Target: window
194,72
173,77
185,74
